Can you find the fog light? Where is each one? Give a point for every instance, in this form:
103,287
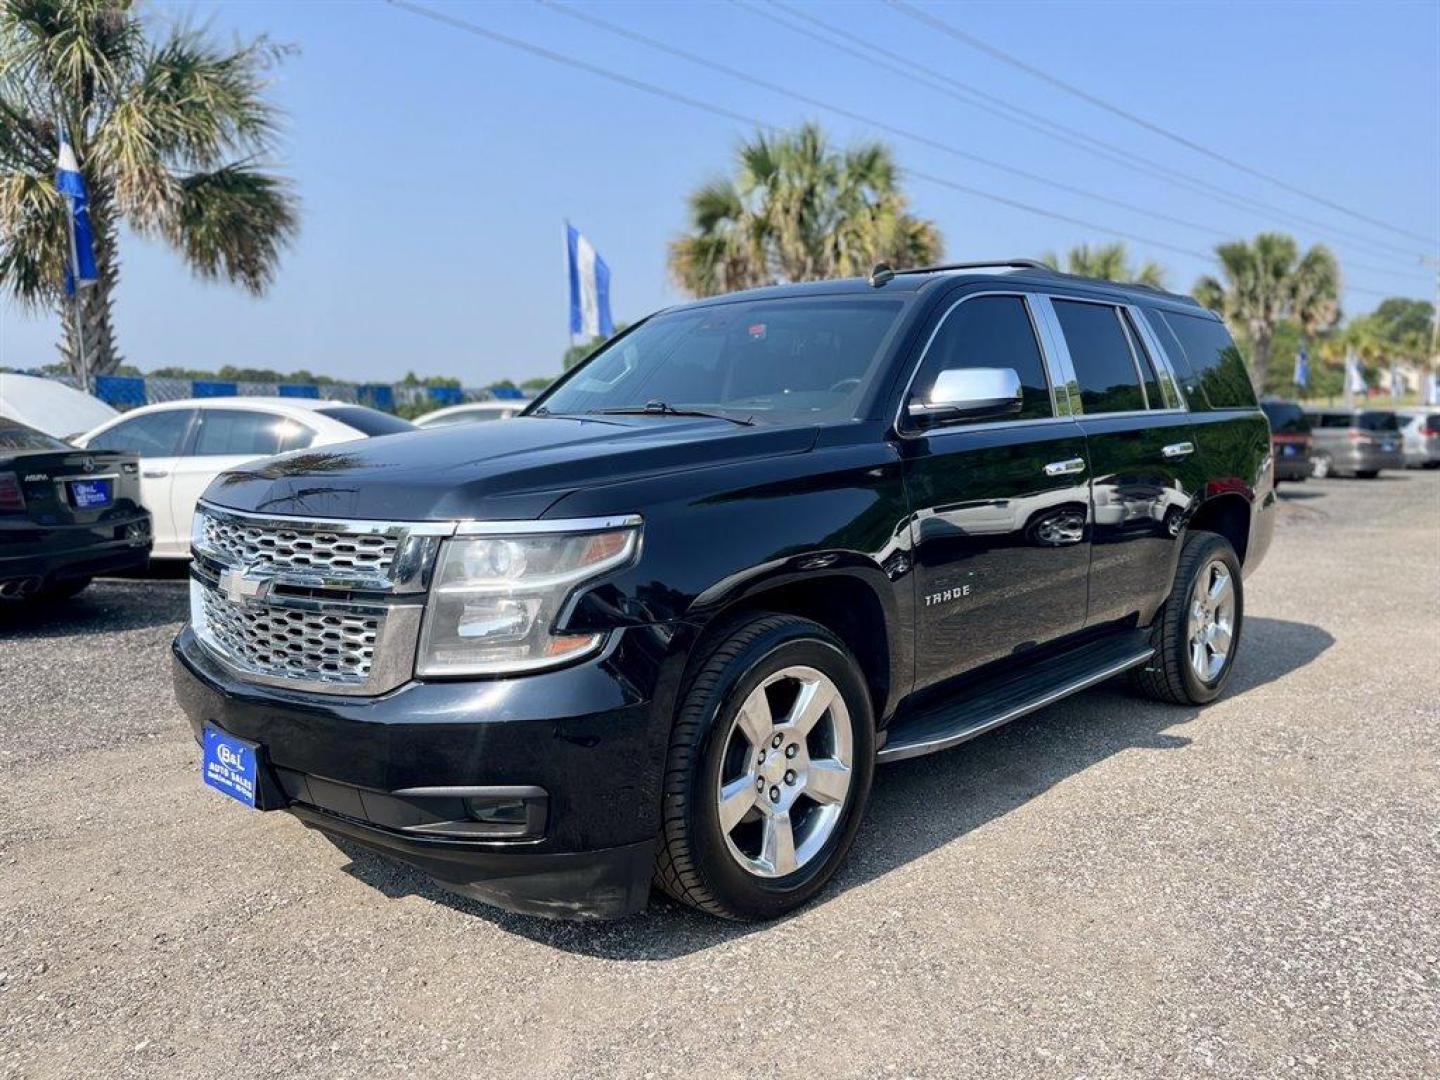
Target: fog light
497,811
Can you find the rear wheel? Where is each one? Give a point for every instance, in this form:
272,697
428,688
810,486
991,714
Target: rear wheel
769,770
1197,632
64,590
1367,474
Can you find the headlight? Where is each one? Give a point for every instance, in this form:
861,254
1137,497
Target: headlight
496,598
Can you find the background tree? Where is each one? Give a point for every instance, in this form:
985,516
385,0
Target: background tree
1265,281
796,209
1107,261
170,135
581,349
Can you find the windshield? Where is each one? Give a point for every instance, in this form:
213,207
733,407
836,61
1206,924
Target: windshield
1377,421
16,436
1285,417
786,360
367,421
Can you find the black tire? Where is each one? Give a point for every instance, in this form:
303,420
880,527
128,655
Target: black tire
694,865
1169,676
1366,474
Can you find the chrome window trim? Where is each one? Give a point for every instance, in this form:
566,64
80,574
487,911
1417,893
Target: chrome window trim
1156,348
1057,414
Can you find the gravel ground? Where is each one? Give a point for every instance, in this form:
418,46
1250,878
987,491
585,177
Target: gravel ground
1107,888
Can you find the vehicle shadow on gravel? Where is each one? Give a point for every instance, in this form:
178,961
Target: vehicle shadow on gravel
918,805
105,607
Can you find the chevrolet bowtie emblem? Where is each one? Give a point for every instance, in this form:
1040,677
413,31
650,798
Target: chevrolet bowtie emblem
240,588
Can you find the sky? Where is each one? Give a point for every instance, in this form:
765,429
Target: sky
436,168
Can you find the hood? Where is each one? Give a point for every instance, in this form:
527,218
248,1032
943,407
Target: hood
499,470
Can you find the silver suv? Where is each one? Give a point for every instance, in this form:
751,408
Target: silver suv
1354,442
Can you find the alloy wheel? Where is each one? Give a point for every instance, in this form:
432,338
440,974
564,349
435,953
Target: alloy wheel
785,773
1212,620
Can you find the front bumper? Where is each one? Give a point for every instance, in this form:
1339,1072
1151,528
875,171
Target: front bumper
591,737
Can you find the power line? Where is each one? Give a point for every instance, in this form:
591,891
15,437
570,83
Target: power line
909,68
974,42
850,114
667,94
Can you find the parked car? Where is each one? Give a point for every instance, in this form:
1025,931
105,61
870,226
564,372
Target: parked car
472,412
1354,442
183,445
1420,438
1289,439
66,515
663,626
50,406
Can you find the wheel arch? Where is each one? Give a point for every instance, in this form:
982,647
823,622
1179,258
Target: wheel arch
1227,514
847,604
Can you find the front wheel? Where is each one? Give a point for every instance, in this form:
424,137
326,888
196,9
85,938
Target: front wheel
769,770
1197,632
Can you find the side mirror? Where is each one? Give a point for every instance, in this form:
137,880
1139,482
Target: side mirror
970,394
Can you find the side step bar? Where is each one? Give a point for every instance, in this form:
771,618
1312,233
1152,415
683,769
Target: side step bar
999,699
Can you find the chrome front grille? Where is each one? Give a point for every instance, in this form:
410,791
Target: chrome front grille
261,546
289,643
329,606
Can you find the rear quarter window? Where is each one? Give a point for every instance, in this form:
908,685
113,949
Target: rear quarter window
367,421
1216,368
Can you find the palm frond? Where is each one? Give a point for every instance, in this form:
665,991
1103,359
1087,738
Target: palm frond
232,223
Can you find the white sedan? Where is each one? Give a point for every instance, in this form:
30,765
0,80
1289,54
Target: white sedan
472,411
183,445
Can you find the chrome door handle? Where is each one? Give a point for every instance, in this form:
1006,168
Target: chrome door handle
1179,449
154,474
1065,468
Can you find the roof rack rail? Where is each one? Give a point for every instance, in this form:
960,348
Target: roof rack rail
1018,264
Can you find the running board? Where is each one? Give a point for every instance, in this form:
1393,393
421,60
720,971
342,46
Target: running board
999,699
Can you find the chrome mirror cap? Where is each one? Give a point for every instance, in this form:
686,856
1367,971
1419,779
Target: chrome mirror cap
970,393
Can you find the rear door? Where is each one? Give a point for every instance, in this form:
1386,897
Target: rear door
999,507
158,439
225,439
1144,470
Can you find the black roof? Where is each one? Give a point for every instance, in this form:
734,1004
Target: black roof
913,281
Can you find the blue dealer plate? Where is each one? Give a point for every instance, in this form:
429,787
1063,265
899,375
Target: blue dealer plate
90,494
228,764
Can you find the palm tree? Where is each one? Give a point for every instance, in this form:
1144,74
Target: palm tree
1267,280
170,135
1109,262
798,210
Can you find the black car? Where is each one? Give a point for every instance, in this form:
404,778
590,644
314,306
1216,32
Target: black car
663,626
66,515
1290,439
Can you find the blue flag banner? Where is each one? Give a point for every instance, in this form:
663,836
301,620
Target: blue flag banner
213,388
377,395
589,287
122,391
1354,377
1302,367
507,393
80,267
299,390
446,395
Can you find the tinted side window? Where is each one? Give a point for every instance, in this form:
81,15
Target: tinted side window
368,421
252,434
1104,365
158,434
1219,368
990,332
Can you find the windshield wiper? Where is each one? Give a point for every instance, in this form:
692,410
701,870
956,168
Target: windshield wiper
661,408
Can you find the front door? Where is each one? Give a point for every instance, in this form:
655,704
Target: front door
999,507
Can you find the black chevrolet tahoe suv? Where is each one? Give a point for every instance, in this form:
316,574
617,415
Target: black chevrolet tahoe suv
661,628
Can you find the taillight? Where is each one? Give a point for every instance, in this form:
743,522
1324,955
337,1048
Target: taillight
1429,432
12,499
